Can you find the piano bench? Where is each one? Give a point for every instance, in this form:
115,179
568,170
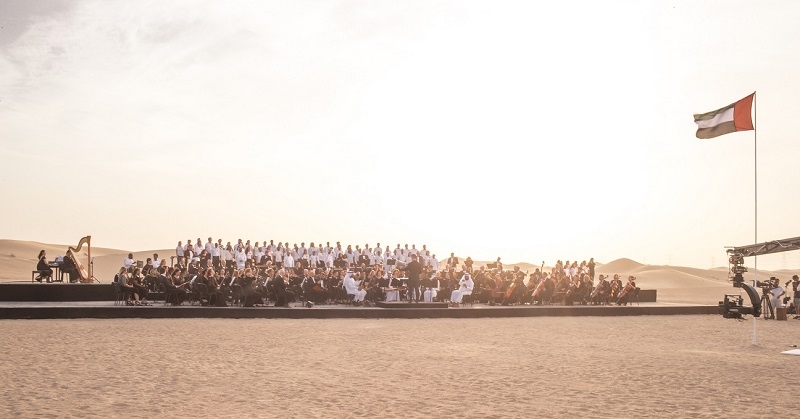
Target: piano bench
35,272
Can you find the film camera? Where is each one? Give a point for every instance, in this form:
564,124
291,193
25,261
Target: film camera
732,306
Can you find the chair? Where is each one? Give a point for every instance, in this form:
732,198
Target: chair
199,291
119,295
466,299
635,296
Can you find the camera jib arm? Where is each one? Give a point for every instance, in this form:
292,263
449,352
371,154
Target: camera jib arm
732,305
775,246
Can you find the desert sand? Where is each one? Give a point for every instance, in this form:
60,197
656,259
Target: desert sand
599,367
602,367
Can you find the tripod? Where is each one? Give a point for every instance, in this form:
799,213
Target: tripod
766,305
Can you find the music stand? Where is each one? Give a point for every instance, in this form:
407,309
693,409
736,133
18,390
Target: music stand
93,279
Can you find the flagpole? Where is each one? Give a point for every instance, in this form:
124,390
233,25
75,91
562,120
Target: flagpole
755,188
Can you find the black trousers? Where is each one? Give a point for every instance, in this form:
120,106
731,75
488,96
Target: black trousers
413,291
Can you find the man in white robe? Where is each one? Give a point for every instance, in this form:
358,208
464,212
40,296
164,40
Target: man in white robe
465,288
351,287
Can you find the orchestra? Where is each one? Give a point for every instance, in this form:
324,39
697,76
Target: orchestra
281,274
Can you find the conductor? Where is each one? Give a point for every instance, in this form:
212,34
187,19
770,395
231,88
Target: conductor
413,271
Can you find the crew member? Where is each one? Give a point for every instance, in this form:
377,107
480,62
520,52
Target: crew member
777,292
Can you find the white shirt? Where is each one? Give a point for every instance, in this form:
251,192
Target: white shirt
179,251
777,291
288,261
216,251
241,258
198,248
209,247
128,263
156,262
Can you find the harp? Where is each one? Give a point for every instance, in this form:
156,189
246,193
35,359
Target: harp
86,276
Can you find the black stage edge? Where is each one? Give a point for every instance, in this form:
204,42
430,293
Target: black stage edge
159,312
407,305
56,292
26,291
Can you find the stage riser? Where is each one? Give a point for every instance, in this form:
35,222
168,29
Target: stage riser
56,292
154,312
105,292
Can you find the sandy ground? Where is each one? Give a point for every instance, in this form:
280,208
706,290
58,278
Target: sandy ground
648,366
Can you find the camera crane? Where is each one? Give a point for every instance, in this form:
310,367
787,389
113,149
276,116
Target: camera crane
731,306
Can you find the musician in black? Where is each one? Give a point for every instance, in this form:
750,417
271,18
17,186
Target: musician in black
282,295
598,295
312,288
172,285
44,269
615,286
452,261
137,280
625,293
413,271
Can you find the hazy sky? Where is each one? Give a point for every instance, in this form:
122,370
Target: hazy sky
527,130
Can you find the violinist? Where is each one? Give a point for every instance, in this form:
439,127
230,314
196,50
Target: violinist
137,281
171,281
123,280
215,296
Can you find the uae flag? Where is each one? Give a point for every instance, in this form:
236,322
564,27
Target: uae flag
732,118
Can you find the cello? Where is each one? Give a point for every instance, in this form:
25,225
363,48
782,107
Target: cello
628,288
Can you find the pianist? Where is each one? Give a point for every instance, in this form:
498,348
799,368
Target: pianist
43,268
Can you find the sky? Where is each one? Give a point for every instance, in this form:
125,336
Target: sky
531,131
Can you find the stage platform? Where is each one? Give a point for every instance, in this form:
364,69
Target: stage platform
107,310
407,305
24,300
